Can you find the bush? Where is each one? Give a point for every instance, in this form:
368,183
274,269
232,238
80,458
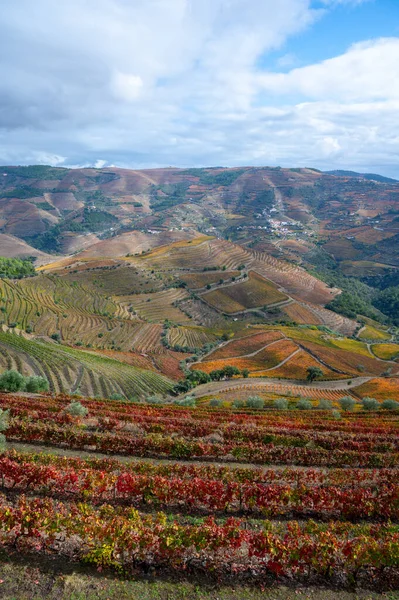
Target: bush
304,405
336,414
116,396
11,381
370,404
281,403
187,401
255,402
154,400
324,404
390,404
36,384
76,409
4,414
238,404
347,403
215,402
56,337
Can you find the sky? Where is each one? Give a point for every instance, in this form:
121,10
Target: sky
185,83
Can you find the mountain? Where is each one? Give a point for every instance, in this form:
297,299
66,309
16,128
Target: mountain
371,176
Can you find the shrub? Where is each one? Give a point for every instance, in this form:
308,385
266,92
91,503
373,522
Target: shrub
336,414
116,396
4,414
304,405
324,404
36,384
347,403
281,403
187,401
76,409
154,400
390,404
238,404
255,402
11,381
56,337
215,402
370,404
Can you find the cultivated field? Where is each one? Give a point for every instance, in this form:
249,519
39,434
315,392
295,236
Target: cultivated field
254,293
259,497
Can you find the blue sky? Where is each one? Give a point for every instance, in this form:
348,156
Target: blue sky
336,30
149,83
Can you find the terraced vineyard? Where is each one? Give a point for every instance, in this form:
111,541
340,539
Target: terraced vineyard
276,508
159,306
193,337
71,370
255,292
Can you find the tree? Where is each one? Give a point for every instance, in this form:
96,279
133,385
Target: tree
313,373
370,404
347,403
390,404
304,404
245,373
255,402
216,374
11,381
229,371
281,404
324,404
36,384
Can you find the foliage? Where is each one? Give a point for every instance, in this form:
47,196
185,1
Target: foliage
36,383
116,396
347,403
15,268
281,403
255,402
370,403
11,381
324,404
76,409
215,402
387,302
313,373
390,404
304,404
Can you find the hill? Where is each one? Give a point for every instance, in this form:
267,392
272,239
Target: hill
149,267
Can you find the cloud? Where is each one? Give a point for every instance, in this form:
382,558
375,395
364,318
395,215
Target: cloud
367,71
142,83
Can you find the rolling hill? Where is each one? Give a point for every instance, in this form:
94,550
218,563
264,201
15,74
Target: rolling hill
145,269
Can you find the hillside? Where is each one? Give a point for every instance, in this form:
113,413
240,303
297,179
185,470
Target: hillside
148,268
219,345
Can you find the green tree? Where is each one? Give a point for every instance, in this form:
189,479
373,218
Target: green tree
36,383
281,404
11,381
314,373
370,404
347,403
255,402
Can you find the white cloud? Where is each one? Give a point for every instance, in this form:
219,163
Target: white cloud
153,82
368,70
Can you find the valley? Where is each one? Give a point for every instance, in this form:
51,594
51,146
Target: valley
214,359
